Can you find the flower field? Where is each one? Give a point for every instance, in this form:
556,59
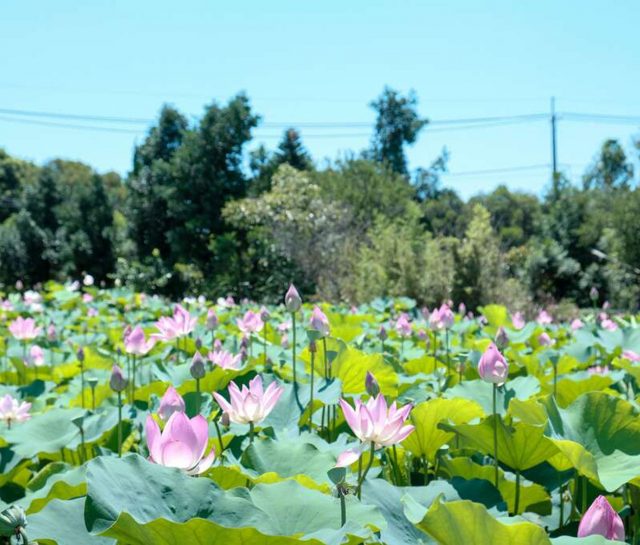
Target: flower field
126,418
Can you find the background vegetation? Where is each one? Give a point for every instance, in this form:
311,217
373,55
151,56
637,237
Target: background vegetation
198,214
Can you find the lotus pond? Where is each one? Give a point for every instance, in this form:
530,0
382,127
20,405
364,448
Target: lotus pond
128,419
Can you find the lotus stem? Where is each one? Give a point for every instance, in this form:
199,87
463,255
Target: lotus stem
495,434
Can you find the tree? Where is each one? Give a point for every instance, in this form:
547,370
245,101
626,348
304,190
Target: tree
15,176
397,124
291,151
611,170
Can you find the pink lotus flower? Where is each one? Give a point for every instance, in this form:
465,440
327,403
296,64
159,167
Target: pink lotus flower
13,411
136,342
7,305
544,318
598,370
462,309
292,299
373,422
319,322
225,359
36,356
117,381
518,320
250,323
170,403
403,325
24,328
182,443
87,298
179,325
284,327
252,404
441,318
609,324
631,355
545,340
601,520
492,366
576,324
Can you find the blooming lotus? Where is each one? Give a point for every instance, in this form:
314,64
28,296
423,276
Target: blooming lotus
178,325
36,355
13,411
374,422
136,342
252,404
24,328
250,323
225,359
492,366
170,403
403,325
601,520
181,444
319,322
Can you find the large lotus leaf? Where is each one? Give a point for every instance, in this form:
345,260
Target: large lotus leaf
530,411
289,458
62,523
351,366
428,438
572,387
520,445
388,498
599,427
53,430
531,494
64,485
482,392
285,509
468,523
425,364
11,464
496,315
591,540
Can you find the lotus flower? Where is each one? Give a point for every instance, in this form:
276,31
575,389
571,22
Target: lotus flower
631,355
441,318
13,411
252,404
117,381
518,320
36,355
136,342
609,324
403,325
179,325
24,328
502,339
576,324
374,423
544,318
181,444
601,520
250,323
225,359
51,332
292,299
319,322
545,340
170,403
492,366
382,333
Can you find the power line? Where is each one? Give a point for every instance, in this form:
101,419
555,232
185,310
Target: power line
497,170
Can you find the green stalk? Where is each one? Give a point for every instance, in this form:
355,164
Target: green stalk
343,507
327,370
215,422
517,505
364,475
313,372
198,395
264,343
446,337
251,432
119,424
495,434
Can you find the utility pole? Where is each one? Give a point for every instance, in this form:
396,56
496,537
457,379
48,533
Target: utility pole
554,153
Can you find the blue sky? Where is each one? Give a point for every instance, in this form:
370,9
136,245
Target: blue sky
304,61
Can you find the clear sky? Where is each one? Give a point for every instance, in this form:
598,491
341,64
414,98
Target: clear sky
323,61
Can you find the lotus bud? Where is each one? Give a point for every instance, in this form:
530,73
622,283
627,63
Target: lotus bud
601,520
198,343
197,368
382,333
224,420
492,366
51,332
217,345
265,315
319,322
212,319
80,354
502,339
12,522
593,293
371,385
117,381
292,299
170,403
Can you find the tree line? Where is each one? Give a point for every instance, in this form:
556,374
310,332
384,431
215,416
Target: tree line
197,213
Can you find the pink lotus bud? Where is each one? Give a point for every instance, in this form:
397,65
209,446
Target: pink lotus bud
446,316
292,299
422,335
51,332
170,403
382,333
544,339
136,343
601,520
403,325
462,309
197,369
319,322
576,324
251,404
593,293
265,315
36,356
492,366
518,320
212,319
80,354
217,345
182,443
117,381
544,318
371,385
198,343
606,305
